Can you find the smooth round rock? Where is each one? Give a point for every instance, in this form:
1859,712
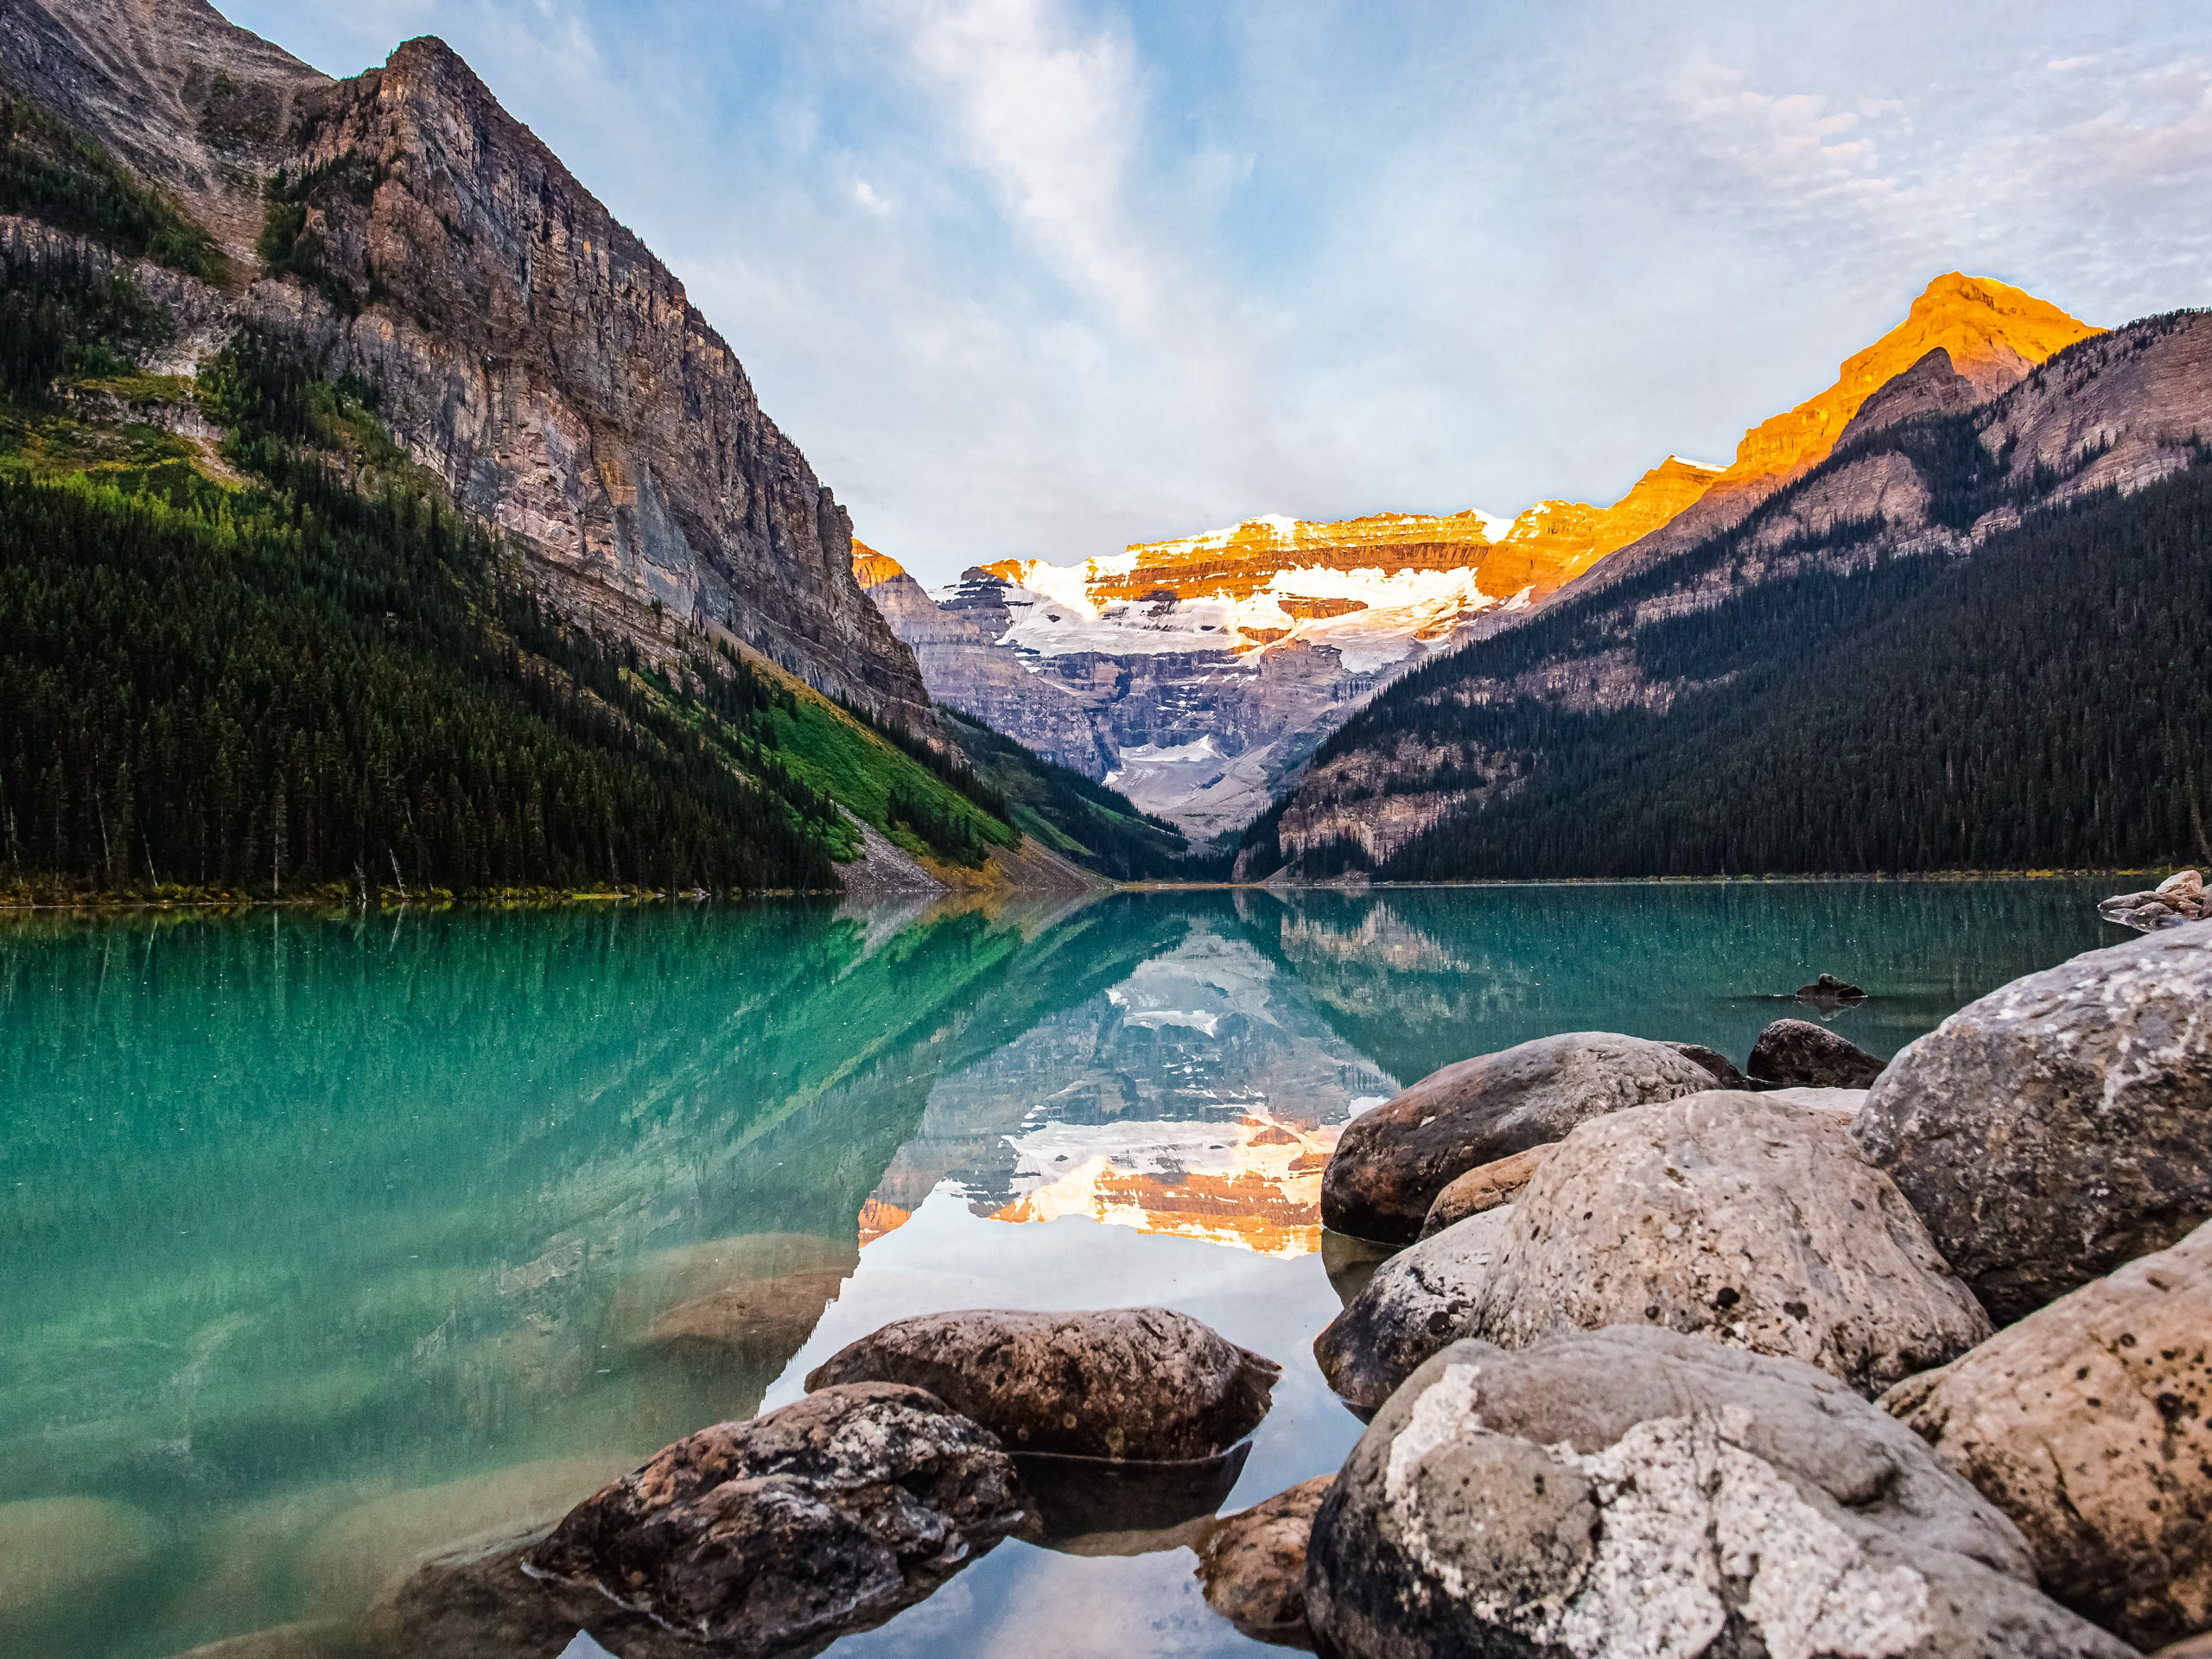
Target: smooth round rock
1631,1491
1745,1220
1796,1053
1253,1565
2086,1422
1138,1382
1485,1187
1390,1163
2062,1125
1421,1300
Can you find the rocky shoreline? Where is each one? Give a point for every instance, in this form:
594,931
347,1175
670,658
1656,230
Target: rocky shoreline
1669,1359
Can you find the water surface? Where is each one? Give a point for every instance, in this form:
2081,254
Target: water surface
330,1242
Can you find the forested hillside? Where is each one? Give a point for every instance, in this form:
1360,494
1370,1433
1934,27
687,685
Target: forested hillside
290,667
2044,701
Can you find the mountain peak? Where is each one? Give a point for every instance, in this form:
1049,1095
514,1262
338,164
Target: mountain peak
1994,332
870,566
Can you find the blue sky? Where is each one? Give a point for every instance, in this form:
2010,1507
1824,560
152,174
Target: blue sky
1041,278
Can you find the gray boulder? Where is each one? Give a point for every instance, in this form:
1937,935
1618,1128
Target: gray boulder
1746,1220
1796,1053
1253,1565
826,1516
2087,1423
1725,1074
1630,1492
1419,1300
2060,1126
1485,1187
1391,1163
1135,1383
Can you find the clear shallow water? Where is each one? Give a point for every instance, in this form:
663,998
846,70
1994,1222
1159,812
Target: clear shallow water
327,1243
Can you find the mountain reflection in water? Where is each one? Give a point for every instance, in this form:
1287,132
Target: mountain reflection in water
332,1241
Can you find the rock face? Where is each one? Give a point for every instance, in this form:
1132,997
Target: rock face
1419,1301
1798,1054
2055,1129
1123,1383
1390,1163
1742,1220
1206,668
1485,1187
528,348
2176,899
826,1516
1634,1492
2087,1423
1253,1565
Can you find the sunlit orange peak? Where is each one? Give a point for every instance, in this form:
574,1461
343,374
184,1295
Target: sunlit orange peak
870,566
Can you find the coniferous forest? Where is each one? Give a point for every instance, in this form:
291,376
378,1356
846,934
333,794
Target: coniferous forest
325,678
2045,702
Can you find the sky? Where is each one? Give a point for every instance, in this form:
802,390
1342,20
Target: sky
1038,278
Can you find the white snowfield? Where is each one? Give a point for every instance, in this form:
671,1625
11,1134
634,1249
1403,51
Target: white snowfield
1401,611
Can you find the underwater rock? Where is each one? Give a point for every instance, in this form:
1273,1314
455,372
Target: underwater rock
58,1549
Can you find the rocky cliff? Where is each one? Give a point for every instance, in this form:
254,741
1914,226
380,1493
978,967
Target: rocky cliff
402,227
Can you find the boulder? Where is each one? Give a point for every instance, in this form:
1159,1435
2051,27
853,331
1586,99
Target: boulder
2176,899
2062,1125
1630,1492
826,1516
1419,1300
2197,1647
1737,1218
1837,1102
1253,1565
1485,1187
1725,1074
1390,1163
2087,1423
1139,1382
1828,988
1796,1053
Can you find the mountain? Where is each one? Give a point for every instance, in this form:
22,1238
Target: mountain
1966,635
1195,675
375,513
1199,675
528,350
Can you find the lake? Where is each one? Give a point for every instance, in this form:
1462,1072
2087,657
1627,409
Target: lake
329,1241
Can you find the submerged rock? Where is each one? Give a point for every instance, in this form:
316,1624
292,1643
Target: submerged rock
1630,1492
1485,1187
2087,1423
1253,1565
2058,1128
1736,1217
57,1550
1796,1053
1391,1163
826,1516
1138,1382
1419,1300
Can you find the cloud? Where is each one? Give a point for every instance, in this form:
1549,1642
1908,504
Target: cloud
1040,276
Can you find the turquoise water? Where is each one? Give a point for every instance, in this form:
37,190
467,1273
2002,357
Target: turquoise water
329,1242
